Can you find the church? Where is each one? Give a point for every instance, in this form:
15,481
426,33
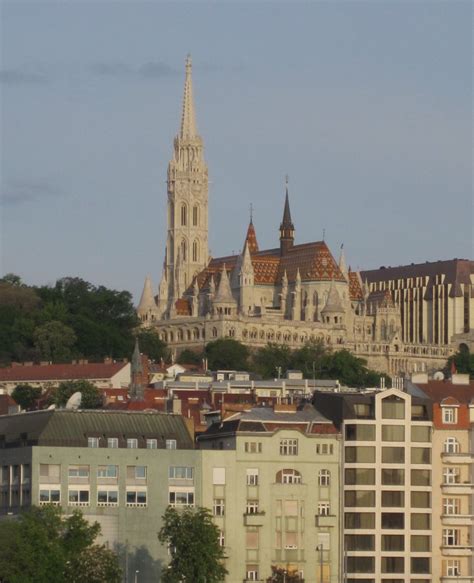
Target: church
290,294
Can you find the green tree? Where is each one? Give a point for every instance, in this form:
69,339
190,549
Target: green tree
226,353
280,575
309,358
152,345
26,395
193,540
189,357
43,546
267,360
55,340
91,396
462,362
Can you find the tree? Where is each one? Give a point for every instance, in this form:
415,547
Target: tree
91,397
46,547
193,540
152,345
461,362
310,358
226,353
189,357
280,575
55,340
270,358
26,395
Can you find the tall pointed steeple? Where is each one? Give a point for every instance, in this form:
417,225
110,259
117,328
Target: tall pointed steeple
136,390
188,116
342,262
287,228
251,238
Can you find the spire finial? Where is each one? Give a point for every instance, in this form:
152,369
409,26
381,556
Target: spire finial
287,179
251,213
188,117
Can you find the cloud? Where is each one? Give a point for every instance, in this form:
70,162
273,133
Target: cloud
22,192
150,70
22,76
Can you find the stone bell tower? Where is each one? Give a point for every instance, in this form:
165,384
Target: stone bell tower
187,240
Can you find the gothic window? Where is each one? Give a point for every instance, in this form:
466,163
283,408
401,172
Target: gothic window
195,250
383,330
183,250
214,332
195,215
184,215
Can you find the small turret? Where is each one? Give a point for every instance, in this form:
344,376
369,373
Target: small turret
147,308
137,389
287,228
333,309
224,302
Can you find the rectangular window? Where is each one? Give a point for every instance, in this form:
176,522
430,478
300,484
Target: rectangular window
92,442
324,509
78,471
393,477
393,542
363,410
359,498
251,573
450,415
136,498
451,537
170,444
177,498
360,432
419,413
393,520
359,520
420,521
218,476
221,538
393,408
51,471
132,443
140,472
359,542
360,565
421,433
420,543
420,500
451,506
421,477
252,477
50,496
393,498
451,475
420,565
324,448
324,478
251,507
420,455
152,444
393,564
181,473
359,476
253,447
112,442
453,568
393,433
393,455
107,498
78,498
218,507
288,447
107,471
360,454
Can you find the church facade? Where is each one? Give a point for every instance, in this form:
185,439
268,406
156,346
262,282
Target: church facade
290,294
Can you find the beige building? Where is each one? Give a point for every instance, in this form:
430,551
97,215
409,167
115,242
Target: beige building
387,485
289,294
271,477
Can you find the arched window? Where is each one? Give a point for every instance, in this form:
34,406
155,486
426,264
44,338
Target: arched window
383,330
214,332
324,478
184,215
183,250
288,477
195,215
195,251
451,445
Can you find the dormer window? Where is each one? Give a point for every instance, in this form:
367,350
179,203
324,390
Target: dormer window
450,415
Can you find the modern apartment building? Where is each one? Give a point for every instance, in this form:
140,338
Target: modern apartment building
387,484
271,476
121,469
453,479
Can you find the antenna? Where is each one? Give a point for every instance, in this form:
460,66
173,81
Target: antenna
74,401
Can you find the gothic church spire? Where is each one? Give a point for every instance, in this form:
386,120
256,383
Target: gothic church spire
188,117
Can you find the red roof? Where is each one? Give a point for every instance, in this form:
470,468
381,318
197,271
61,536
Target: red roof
60,372
438,391
355,289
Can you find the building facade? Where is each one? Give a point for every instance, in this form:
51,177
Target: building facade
387,485
290,294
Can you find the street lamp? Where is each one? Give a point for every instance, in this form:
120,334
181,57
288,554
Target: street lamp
320,548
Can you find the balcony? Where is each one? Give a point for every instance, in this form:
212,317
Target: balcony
325,520
457,519
458,551
457,489
457,458
254,519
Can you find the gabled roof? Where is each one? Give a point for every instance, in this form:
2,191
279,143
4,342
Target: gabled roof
60,372
444,392
251,238
355,288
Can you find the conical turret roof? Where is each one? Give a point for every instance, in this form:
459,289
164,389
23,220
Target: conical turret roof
333,302
224,293
147,301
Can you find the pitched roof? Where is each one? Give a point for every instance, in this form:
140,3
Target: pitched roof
355,288
438,391
60,372
251,238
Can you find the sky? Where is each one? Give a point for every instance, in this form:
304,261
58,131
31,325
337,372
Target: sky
366,105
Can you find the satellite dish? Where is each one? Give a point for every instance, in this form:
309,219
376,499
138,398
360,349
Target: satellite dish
438,376
74,401
53,406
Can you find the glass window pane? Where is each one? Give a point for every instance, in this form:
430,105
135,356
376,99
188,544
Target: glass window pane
393,455
393,433
420,543
360,565
393,542
359,476
393,564
421,477
359,542
393,408
420,522
420,500
360,432
359,498
393,520
359,520
421,433
393,498
360,454
420,455
420,565
393,477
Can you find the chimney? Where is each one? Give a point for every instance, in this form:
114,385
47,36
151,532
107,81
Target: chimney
107,360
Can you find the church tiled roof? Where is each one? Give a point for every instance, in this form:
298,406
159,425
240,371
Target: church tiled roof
251,238
355,288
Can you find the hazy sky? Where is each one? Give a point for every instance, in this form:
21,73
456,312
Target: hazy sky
366,105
